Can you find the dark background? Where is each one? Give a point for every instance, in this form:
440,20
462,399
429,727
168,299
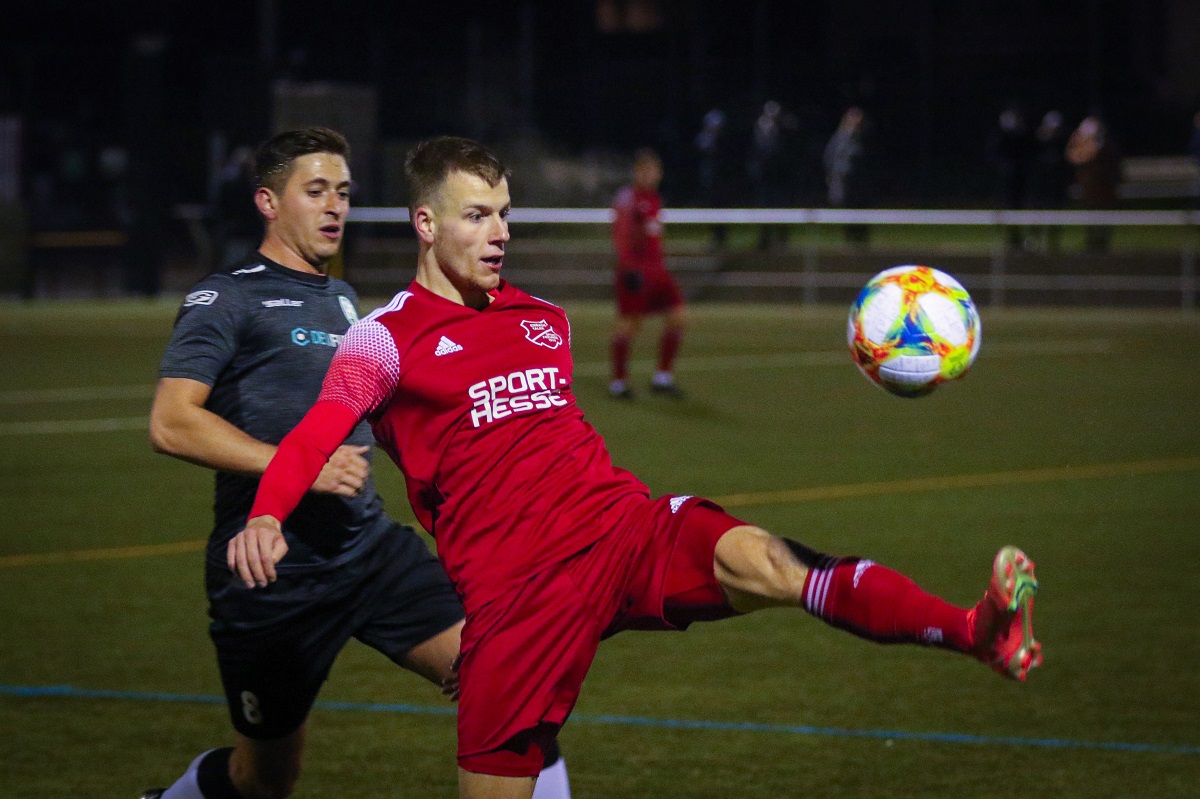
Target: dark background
162,90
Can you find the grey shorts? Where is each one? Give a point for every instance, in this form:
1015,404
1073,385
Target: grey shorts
276,645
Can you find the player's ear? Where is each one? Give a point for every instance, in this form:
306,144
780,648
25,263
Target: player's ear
267,202
424,223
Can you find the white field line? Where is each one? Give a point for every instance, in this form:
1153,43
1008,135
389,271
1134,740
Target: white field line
779,360
36,396
51,427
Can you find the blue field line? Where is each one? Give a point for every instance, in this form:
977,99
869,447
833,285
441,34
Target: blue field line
67,691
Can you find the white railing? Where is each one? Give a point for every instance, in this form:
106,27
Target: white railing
828,216
810,278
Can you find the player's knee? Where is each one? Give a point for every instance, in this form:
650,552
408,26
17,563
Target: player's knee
758,569
787,569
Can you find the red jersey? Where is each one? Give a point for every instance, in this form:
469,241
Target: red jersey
476,409
637,230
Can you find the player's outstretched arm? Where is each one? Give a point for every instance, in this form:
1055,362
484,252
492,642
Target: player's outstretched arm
302,454
182,427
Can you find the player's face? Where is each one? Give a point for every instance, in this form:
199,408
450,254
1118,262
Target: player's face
469,231
648,173
311,213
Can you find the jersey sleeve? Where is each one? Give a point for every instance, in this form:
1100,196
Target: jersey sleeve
299,459
362,377
365,370
207,332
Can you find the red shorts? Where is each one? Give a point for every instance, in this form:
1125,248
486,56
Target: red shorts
646,291
524,655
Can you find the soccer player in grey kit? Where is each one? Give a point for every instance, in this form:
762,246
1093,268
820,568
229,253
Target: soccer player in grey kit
246,360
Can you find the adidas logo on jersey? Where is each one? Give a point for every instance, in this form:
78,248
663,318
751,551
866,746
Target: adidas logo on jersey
446,346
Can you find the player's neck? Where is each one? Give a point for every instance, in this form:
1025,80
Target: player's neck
274,248
431,277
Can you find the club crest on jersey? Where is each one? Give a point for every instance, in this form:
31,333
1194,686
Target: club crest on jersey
542,334
348,309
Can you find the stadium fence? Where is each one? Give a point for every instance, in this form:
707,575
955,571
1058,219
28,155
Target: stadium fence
812,273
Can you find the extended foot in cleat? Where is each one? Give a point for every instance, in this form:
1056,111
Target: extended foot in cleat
1002,622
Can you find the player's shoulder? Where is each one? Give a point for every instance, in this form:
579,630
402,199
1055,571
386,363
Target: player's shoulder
393,307
216,289
516,297
388,325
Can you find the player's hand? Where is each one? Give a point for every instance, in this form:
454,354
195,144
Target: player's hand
450,684
345,473
253,553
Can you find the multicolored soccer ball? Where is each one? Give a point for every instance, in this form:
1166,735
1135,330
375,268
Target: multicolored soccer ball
912,328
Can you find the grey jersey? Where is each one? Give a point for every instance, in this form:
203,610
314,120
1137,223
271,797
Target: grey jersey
262,337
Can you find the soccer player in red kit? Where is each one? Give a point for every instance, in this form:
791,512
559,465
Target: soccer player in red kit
643,284
467,383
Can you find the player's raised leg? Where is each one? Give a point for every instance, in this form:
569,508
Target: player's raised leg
758,570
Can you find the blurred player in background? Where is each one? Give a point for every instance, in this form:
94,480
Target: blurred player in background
467,383
643,284
250,348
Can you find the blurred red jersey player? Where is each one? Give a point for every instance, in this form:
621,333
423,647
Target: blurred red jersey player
643,284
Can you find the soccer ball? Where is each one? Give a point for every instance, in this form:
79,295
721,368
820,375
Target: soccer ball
913,328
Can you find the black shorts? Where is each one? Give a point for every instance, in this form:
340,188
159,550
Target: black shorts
276,645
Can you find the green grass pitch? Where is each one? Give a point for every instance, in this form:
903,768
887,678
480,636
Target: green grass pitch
1076,436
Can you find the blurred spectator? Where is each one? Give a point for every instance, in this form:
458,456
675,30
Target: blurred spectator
1051,175
714,173
1097,171
237,227
766,166
843,169
1013,149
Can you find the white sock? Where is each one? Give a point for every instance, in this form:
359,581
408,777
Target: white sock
617,386
186,786
663,379
553,783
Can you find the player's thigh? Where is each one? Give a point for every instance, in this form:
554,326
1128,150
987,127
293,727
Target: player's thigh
275,646
692,589
758,570
524,658
662,294
433,658
410,611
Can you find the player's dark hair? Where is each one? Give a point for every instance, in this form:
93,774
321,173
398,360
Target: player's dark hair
644,154
433,160
275,158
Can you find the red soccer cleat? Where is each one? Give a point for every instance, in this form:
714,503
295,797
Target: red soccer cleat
1002,622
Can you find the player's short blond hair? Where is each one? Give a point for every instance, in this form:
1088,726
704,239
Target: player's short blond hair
433,160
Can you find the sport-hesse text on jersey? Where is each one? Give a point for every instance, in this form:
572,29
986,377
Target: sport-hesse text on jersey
527,390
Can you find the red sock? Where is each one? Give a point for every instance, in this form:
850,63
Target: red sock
882,605
668,348
620,357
